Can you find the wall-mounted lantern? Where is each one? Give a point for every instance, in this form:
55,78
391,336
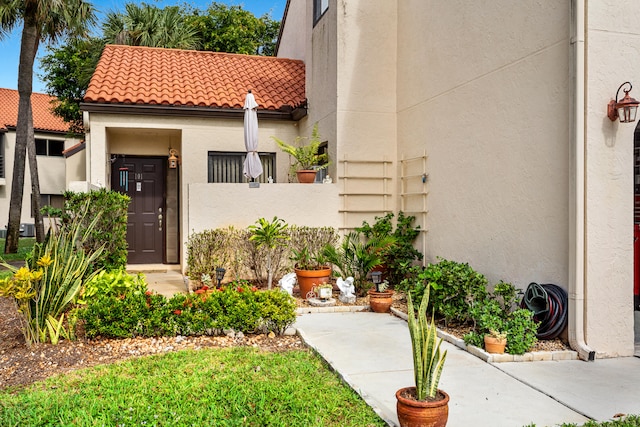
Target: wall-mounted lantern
625,110
173,159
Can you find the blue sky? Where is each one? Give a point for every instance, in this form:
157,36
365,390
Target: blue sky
10,46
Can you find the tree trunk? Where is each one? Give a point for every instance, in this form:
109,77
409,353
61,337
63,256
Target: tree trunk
24,132
35,186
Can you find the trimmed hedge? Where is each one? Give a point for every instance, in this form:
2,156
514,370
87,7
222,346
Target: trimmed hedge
239,307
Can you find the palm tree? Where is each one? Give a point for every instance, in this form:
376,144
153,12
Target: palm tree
43,21
150,26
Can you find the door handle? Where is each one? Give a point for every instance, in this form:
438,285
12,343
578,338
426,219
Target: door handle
160,222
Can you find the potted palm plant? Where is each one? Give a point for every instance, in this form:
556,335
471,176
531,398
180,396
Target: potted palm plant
424,404
307,157
356,258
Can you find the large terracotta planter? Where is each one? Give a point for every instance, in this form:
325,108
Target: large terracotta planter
415,413
380,302
494,345
307,279
306,176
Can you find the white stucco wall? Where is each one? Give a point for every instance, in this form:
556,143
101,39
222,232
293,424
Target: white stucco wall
75,167
613,57
293,43
487,98
311,205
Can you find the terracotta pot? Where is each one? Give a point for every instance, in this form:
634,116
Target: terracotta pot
306,176
415,413
494,345
307,279
380,302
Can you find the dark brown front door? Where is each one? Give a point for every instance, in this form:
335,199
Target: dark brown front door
142,179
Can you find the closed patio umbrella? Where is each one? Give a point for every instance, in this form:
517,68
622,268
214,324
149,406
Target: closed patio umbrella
252,167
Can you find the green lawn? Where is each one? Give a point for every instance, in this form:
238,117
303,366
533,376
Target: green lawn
229,387
25,244
628,421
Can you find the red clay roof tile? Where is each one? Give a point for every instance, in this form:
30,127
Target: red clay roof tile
41,104
143,75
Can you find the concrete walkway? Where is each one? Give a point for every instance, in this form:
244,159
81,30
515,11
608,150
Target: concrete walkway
165,279
372,352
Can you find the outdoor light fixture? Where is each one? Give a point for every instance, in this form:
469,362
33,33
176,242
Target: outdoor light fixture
376,277
220,274
625,110
173,159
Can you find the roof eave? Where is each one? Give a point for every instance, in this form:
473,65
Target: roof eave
189,111
41,130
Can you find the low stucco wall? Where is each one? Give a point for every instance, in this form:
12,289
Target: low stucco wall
210,206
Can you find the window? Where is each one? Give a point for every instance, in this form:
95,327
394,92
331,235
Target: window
227,166
319,8
322,173
49,147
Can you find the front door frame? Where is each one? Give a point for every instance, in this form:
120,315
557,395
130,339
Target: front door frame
134,181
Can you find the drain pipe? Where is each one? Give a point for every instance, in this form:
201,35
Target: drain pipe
578,196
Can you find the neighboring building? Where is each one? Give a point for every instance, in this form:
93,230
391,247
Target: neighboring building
143,103
487,121
53,144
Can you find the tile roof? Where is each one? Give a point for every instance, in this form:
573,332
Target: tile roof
155,76
43,117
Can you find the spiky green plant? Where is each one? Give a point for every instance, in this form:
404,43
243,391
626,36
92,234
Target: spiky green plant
356,257
307,156
269,234
51,280
428,359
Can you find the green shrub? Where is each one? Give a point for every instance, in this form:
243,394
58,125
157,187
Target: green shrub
113,283
400,256
115,316
243,258
277,310
237,306
500,312
210,249
521,331
310,239
455,289
110,230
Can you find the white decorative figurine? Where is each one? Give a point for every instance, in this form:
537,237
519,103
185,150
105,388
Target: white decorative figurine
287,282
347,290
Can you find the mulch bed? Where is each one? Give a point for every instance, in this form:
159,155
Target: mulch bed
22,365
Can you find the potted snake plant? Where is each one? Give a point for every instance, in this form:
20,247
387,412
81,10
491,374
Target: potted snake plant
311,270
423,404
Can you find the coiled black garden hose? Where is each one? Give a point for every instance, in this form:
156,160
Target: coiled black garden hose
552,321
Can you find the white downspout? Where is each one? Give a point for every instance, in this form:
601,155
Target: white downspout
578,193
